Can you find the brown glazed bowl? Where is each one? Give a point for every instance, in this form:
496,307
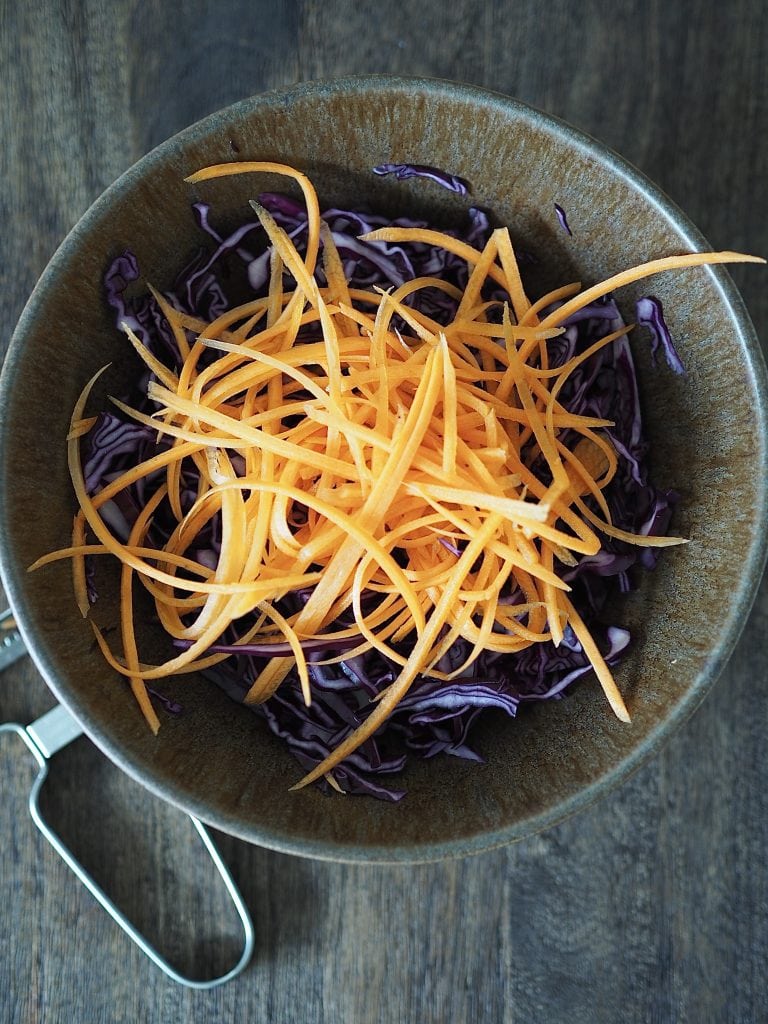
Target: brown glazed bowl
707,432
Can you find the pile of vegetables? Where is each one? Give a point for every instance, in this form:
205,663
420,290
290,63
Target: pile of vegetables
383,494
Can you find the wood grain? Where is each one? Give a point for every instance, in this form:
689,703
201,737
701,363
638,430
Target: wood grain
651,906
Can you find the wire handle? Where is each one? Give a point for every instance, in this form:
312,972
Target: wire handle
11,645
47,735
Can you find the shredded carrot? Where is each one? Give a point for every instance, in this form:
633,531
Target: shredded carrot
376,460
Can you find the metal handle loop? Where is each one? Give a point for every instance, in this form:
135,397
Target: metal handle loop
43,738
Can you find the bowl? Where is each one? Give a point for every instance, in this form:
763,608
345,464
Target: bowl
707,432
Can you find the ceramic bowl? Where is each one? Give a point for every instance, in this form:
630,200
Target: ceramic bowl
707,432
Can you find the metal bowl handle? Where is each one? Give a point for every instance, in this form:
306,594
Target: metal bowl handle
47,735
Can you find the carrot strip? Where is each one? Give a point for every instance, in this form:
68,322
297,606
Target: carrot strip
79,582
161,372
597,661
694,259
138,686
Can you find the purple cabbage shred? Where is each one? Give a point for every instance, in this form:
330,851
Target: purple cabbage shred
560,212
650,313
403,171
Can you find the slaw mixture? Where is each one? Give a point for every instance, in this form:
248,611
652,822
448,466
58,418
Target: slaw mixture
372,488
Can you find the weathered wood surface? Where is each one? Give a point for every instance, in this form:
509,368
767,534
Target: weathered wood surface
650,906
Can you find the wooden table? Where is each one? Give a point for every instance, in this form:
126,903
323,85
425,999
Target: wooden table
650,906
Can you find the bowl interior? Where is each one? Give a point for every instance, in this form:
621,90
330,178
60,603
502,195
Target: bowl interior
706,430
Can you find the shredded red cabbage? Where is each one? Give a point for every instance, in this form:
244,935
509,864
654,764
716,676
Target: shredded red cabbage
560,212
650,313
434,717
402,171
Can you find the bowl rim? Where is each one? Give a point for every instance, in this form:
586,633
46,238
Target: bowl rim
754,561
